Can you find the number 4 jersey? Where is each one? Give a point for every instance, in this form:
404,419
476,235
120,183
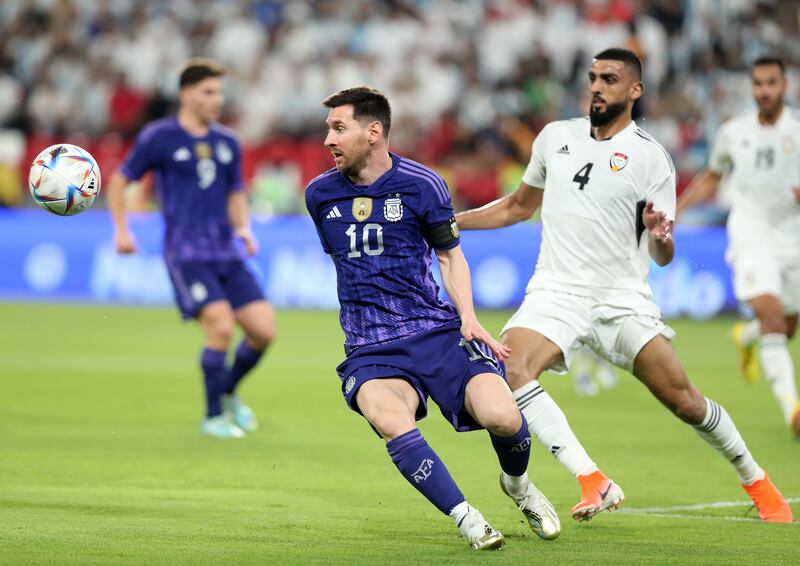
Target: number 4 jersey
380,237
593,240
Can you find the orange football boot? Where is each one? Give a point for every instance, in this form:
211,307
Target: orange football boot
771,505
598,493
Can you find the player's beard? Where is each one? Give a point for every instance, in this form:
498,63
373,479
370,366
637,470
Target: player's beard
770,107
352,168
599,119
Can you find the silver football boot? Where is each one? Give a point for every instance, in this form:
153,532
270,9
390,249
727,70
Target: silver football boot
542,517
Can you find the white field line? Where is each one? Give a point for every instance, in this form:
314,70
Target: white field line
697,506
669,512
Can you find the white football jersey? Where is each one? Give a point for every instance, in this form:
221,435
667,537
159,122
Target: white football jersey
594,241
763,164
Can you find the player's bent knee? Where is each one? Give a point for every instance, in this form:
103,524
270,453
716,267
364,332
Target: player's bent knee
505,425
261,338
502,419
222,331
392,425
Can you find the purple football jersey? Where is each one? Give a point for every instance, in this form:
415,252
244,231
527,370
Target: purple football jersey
193,177
376,236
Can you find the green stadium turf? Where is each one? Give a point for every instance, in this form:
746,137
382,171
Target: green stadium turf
101,461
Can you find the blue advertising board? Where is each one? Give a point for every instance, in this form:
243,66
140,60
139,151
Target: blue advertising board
50,258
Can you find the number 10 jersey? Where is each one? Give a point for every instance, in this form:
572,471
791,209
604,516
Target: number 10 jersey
380,238
593,238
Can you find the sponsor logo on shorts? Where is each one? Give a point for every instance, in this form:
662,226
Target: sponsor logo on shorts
424,471
349,384
198,291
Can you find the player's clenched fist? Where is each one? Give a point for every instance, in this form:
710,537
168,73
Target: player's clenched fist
124,243
656,223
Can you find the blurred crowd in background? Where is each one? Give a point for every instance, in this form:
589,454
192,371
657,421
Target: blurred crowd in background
471,82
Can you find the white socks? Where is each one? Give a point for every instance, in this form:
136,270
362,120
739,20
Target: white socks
719,431
776,363
547,423
516,485
460,511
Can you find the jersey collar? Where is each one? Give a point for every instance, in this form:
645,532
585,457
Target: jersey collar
627,130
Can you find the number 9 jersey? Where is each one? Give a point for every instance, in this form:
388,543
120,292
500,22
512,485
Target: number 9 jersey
192,178
594,195
380,238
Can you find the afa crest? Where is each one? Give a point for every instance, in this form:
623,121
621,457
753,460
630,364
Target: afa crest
618,162
362,208
393,209
454,227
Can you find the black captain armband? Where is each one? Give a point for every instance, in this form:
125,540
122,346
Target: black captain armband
443,234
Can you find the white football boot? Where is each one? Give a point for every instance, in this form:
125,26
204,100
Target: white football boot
220,427
242,415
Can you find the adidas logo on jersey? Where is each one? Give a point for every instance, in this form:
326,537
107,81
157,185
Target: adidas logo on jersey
334,213
564,149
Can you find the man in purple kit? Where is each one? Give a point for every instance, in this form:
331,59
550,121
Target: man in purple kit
197,176
378,215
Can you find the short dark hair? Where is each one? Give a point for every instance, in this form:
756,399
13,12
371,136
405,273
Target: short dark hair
628,57
199,69
368,102
769,60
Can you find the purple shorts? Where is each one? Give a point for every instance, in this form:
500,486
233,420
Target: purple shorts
197,283
438,364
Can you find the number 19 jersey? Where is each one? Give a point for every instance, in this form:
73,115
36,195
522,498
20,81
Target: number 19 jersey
593,236
763,164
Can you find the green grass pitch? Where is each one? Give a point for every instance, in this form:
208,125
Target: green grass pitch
101,461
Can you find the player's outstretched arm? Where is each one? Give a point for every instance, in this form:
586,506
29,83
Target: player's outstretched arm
240,220
516,207
457,283
660,244
701,188
123,239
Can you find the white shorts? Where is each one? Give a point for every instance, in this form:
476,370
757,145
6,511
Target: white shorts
616,332
756,274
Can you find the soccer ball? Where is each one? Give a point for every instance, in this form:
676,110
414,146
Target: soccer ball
64,179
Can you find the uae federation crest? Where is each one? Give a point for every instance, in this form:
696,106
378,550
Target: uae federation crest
393,209
618,162
362,208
